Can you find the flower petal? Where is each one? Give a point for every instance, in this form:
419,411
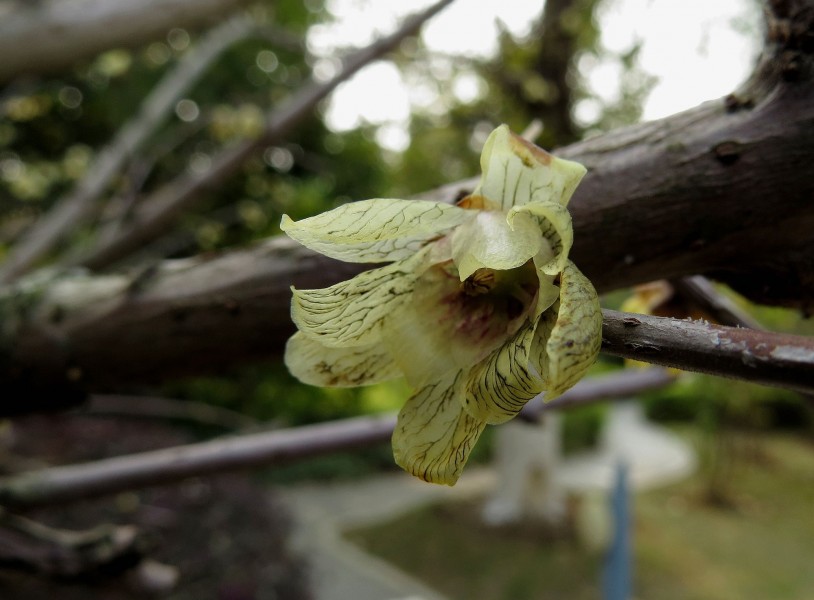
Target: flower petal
375,230
490,241
554,221
576,337
548,292
434,435
351,313
516,172
443,328
499,386
315,364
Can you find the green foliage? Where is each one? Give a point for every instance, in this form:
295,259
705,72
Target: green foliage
269,393
715,401
581,427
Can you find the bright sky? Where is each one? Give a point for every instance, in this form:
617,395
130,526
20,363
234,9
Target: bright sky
698,50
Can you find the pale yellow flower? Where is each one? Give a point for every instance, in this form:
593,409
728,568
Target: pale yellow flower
480,308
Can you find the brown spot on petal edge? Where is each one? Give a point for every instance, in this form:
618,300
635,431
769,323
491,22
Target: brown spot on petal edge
525,147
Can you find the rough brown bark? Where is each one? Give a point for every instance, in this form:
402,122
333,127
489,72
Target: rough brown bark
723,190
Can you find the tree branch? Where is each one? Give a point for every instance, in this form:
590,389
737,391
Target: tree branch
773,359
80,204
59,553
75,482
700,292
157,212
150,407
97,334
67,31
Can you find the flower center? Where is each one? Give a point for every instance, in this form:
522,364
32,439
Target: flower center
480,282
508,293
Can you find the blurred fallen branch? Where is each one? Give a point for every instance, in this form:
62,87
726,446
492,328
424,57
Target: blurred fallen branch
702,293
150,407
160,210
49,35
74,482
81,203
60,553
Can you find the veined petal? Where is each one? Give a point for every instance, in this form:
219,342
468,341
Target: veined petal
499,386
434,435
375,230
315,364
516,172
554,221
490,241
351,313
576,336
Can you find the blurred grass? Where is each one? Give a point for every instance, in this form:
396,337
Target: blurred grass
757,546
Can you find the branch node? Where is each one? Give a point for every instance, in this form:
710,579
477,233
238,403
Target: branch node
727,152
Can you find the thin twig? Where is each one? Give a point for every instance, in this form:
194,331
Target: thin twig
616,386
775,359
163,207
64,484
700,291
80,204
150,407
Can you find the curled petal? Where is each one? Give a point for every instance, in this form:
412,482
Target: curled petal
499,386
554,221
315,364
375,230
434,435
490,241
548,292
516,172
352,312
576,336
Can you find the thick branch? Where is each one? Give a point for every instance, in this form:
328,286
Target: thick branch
64,484
80,204
49,35
159,211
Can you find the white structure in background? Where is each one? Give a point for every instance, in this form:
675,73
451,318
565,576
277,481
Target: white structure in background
535,481
526,456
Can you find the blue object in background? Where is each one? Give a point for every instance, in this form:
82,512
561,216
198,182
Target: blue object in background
617,575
